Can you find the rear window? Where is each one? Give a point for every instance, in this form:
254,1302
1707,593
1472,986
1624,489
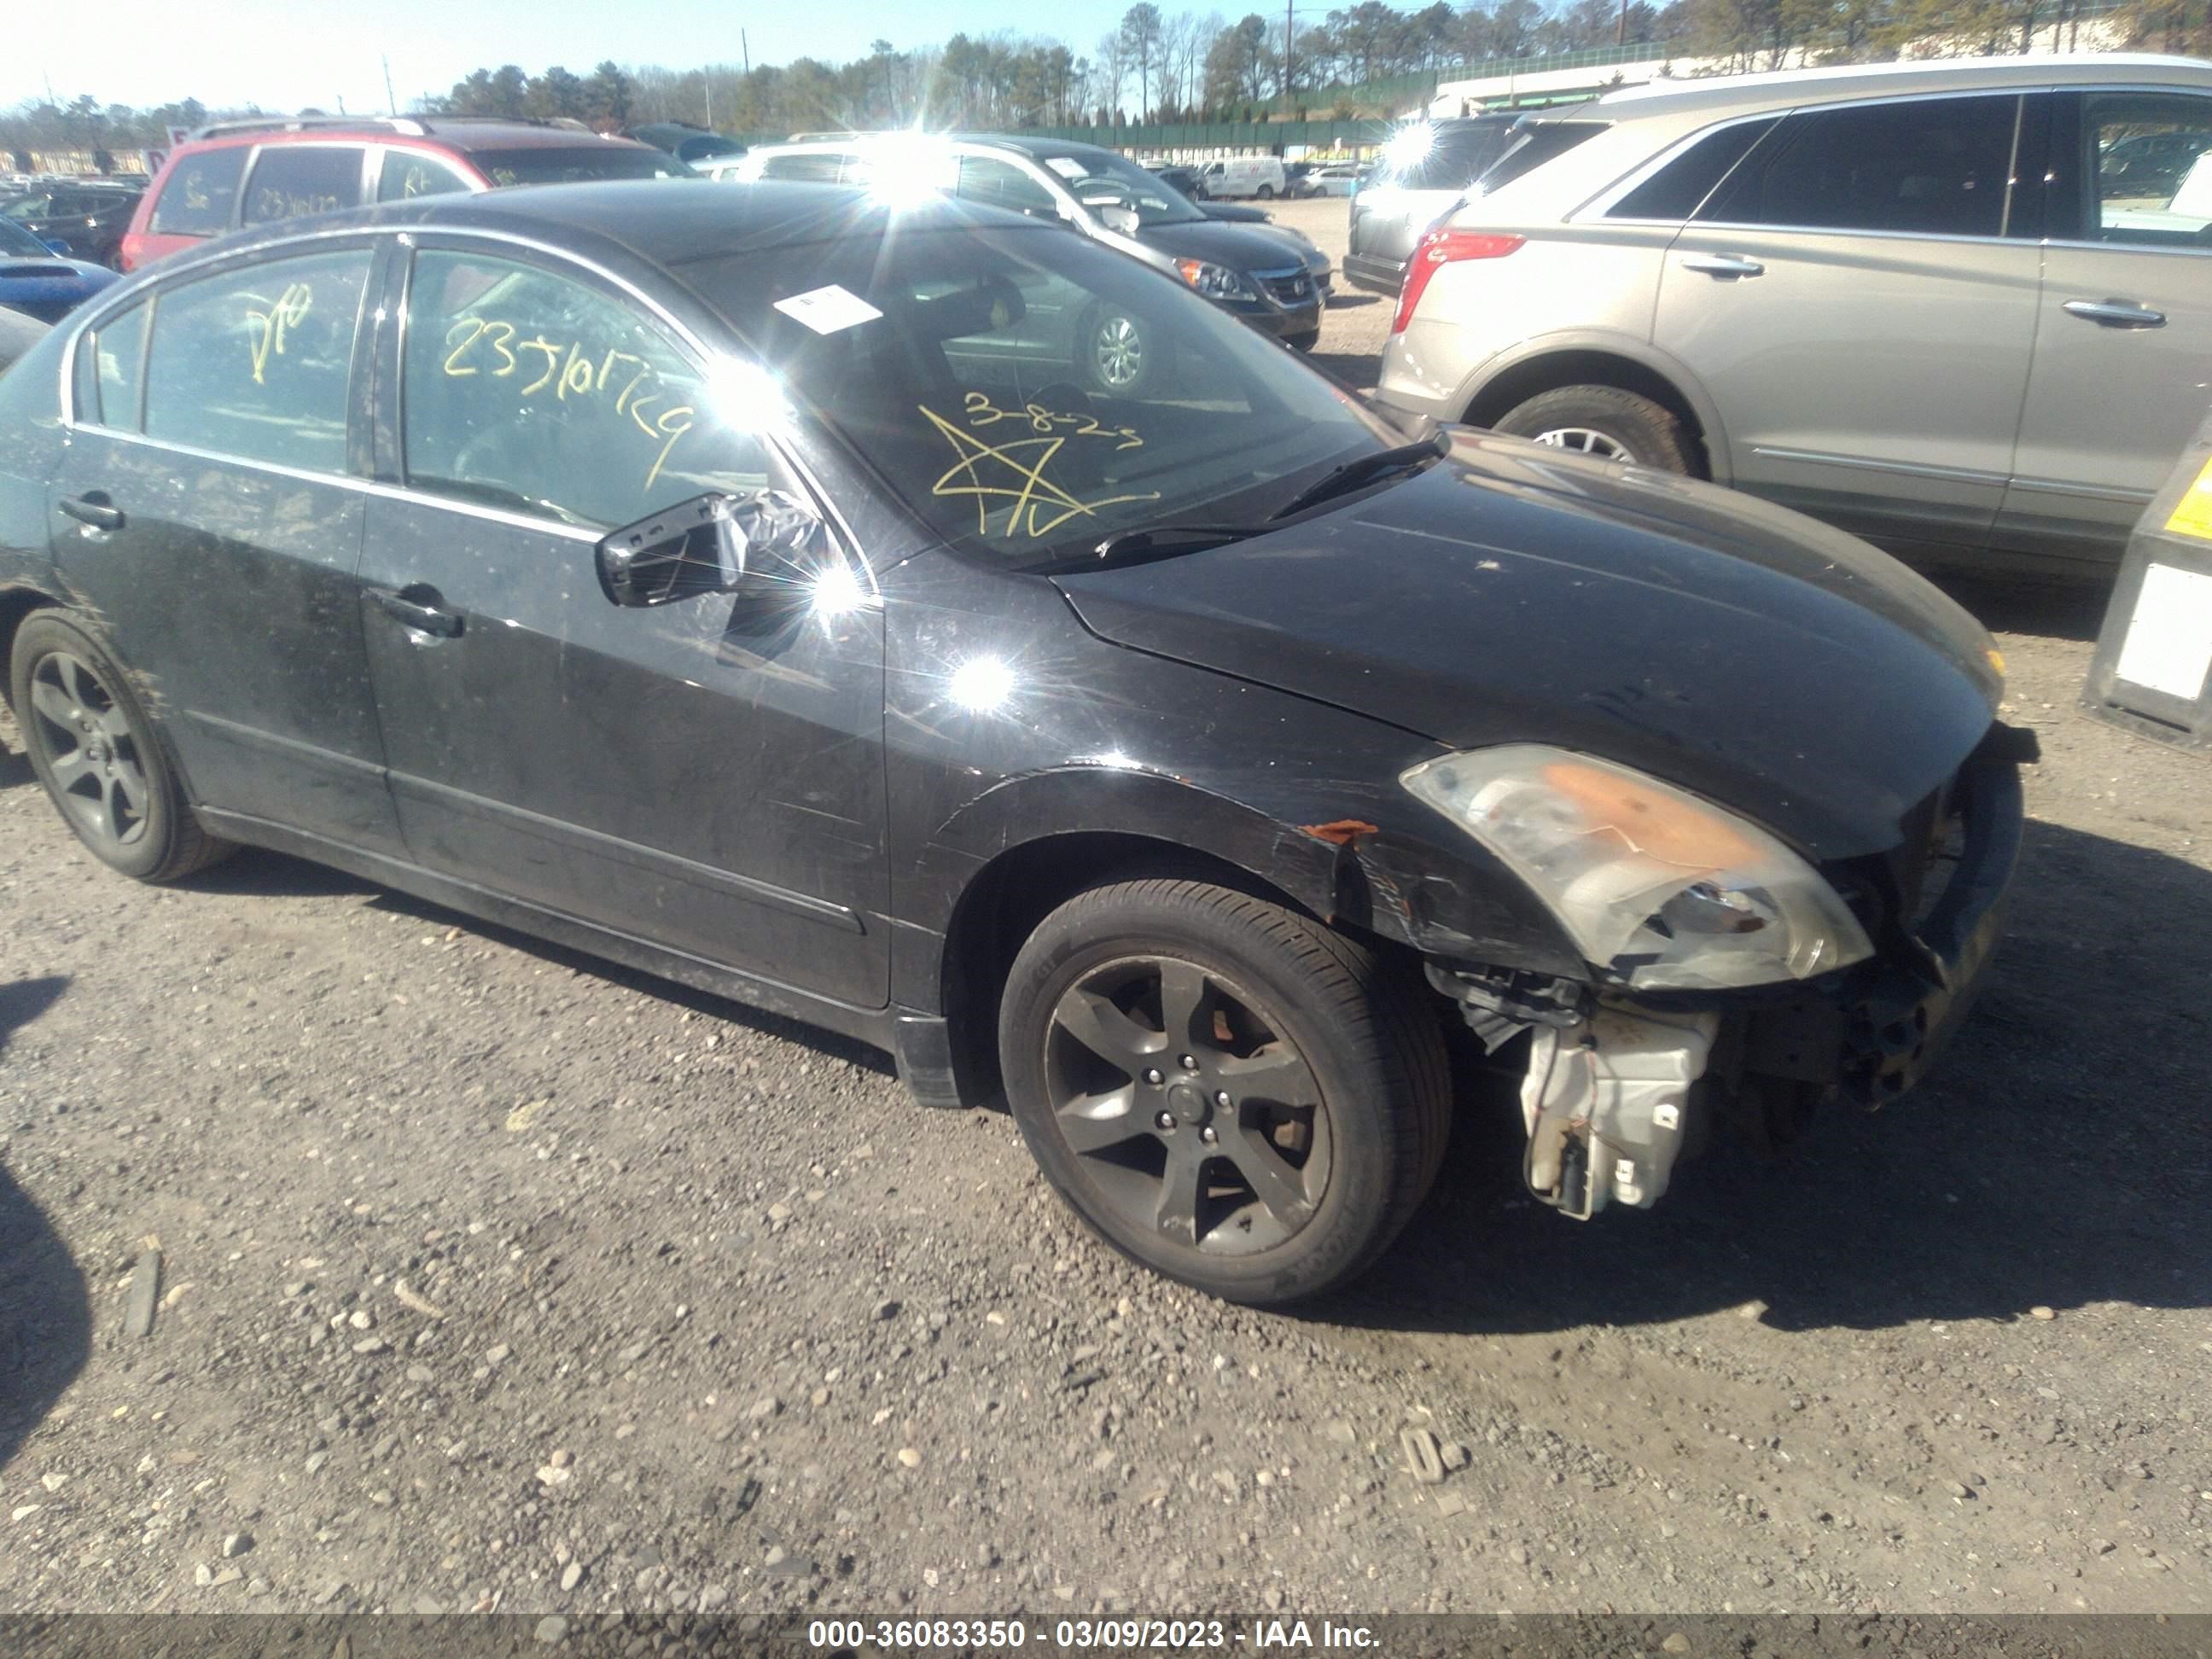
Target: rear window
1680,188
292,180
195,200
1533,146
807,167
1455,159
581,164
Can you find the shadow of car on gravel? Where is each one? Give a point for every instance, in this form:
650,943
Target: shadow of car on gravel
46,1316
2060,1154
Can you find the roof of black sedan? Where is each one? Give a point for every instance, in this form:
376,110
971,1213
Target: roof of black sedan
672,221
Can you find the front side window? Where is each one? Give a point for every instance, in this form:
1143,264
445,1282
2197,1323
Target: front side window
407,173
1676,190
29,209
1000,184
292,180
2150,157
533,391
809,166
195,200
1027,394
257,362
17,243
1933,167
1101,178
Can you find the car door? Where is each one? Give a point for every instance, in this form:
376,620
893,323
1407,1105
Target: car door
1852,304
203,512
705,775
2123,365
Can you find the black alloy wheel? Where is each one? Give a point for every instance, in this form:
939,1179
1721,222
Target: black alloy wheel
99,757
1228,1091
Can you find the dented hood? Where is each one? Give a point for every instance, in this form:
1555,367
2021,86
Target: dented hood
1511,593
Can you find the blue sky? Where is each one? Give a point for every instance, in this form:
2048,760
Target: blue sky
283,56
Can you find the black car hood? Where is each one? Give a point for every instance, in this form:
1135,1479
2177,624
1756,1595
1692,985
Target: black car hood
1511,594
1240,247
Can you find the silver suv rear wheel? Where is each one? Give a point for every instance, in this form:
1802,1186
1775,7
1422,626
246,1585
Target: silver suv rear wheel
1606,422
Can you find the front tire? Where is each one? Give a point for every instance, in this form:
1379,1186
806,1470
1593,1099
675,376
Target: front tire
1605,422
96,751
1266,192
1228,1092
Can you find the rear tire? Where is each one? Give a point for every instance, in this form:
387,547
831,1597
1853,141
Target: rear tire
1266,192
1302,1095
1305,341
97,752
1606,423
1119,356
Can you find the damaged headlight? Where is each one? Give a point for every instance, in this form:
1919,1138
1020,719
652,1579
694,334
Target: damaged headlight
1670,891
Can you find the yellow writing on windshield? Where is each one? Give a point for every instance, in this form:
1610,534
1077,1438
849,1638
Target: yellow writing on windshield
1013,473
982,412
269,327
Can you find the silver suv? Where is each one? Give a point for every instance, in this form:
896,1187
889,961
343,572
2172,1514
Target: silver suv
1958,308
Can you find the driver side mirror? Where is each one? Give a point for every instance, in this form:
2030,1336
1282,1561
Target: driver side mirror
703,545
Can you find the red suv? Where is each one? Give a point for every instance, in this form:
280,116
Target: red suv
249,173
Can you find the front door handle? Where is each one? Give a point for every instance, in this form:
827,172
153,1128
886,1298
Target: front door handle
2116,313
1723,265
93,508
419,608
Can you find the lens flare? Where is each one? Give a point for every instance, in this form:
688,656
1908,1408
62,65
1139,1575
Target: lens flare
838,592
1409,147
982,685
907,170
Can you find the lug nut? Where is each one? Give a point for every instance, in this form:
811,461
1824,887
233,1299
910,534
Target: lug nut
1207,1135
1165,1121
1152,1075
1188,1062
1221,1097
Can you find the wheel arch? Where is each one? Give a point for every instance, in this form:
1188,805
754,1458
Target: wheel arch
16,605
1011,856
1547,365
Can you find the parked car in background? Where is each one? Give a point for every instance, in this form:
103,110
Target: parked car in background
257,172
37,281
1173,761
1336,179
686,143
1425,169
1182,179
18,334
1274,279
90,217
1244,175
1908,299
2149,164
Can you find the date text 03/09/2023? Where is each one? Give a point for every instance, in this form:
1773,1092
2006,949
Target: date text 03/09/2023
1129,1633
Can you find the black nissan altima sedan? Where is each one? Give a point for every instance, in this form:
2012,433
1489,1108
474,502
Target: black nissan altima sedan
745,583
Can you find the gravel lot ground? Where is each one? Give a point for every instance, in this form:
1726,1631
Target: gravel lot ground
495,1277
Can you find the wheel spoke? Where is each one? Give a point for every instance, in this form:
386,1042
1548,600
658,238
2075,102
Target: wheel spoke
67,767
115,723
1274,1183
1276,1074
1093,1021
78,682
1177,1214
1184,1002
1095,1131
55,703
129,784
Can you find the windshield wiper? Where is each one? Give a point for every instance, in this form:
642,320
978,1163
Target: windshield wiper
1366,470
1164,540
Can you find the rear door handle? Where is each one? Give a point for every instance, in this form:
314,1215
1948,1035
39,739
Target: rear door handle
1723,265
419,608
2116,313
93,508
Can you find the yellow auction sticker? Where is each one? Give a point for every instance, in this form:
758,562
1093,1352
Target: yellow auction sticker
2193,516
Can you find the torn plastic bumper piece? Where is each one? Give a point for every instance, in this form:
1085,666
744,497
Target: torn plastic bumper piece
1605,1102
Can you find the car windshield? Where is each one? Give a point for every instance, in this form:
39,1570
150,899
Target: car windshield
581,164
1102,179
18,243
1029,393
